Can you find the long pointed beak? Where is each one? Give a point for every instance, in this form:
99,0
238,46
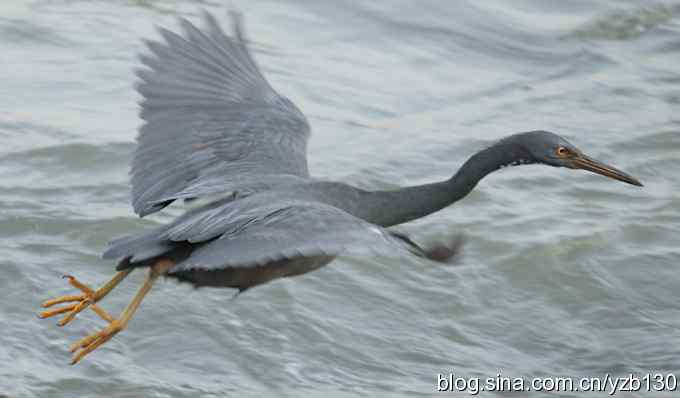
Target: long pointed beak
585,163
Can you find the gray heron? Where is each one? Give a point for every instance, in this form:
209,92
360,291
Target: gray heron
214,127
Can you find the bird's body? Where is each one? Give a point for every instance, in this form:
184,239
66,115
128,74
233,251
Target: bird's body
214,127
296,229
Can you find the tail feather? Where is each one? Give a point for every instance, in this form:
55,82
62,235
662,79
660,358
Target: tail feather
129,245
141,249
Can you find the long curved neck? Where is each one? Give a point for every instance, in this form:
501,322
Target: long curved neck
394,207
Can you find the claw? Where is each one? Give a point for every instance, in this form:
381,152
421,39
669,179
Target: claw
90,343
87,299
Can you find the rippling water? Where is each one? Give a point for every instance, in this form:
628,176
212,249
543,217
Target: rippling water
563,273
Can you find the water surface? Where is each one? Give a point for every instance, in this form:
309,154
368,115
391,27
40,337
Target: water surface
564,273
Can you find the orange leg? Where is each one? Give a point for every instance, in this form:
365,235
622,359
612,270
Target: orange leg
88,298
90,343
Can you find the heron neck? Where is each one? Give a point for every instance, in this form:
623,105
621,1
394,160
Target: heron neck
394,207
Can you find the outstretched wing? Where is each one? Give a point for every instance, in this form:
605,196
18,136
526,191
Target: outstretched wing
212,122
271,233
257,230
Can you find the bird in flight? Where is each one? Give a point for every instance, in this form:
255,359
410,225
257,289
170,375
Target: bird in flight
214,128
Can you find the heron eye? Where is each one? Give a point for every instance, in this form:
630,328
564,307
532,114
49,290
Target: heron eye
562,151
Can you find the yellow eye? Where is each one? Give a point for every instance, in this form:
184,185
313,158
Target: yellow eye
562,151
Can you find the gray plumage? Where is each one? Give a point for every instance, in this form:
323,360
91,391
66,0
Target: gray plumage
214,126
212,123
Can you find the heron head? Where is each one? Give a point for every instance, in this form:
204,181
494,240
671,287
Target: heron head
551,149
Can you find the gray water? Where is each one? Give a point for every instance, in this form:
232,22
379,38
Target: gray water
563,273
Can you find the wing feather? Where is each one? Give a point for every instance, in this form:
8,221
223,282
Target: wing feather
269,233
212,122
257,230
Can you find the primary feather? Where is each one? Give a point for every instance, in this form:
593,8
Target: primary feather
212,123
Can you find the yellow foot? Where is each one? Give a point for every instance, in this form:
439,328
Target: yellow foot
88,298
90,343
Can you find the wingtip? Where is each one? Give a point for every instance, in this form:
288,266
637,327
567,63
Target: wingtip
188,27
237,24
